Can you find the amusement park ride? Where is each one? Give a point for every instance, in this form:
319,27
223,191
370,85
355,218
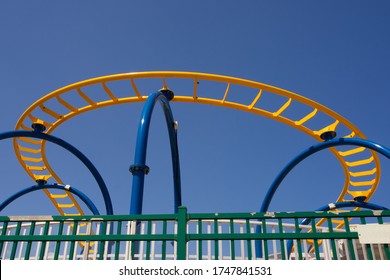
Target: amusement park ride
363,232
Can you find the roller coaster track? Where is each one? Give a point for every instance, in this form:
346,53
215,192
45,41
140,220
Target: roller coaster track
360,165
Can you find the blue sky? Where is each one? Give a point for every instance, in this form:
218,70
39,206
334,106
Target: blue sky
333,52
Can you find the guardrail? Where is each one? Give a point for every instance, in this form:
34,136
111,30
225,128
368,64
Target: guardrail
223,236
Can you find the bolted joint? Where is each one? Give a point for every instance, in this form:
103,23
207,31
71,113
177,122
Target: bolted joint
328,135
360,198
167,93
38,126
41,182
139,167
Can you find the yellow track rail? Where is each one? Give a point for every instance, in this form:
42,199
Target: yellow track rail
361,166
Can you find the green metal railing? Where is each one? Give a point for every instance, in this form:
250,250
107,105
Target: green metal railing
192,236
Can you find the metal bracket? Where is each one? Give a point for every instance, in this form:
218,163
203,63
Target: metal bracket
139,167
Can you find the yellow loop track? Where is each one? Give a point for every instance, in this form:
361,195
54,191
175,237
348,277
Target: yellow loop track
361,166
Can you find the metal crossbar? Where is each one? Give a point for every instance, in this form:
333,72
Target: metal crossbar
184,235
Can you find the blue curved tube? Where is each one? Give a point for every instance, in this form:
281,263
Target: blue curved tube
308,152
314,149
34,188
337,205
139,168
174,153
74,151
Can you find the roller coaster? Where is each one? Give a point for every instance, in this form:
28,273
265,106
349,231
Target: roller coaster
36,127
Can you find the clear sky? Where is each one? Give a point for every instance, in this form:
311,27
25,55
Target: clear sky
336,53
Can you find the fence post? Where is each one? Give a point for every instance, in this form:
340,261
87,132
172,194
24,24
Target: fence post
182,233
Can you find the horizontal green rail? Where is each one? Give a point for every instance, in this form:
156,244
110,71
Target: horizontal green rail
192,216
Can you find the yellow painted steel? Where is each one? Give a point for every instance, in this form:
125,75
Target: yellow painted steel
352,151
32,151
363,173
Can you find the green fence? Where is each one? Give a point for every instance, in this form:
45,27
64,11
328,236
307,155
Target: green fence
233,236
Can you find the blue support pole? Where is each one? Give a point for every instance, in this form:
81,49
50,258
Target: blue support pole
139,169
334,206
37,133
34,188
